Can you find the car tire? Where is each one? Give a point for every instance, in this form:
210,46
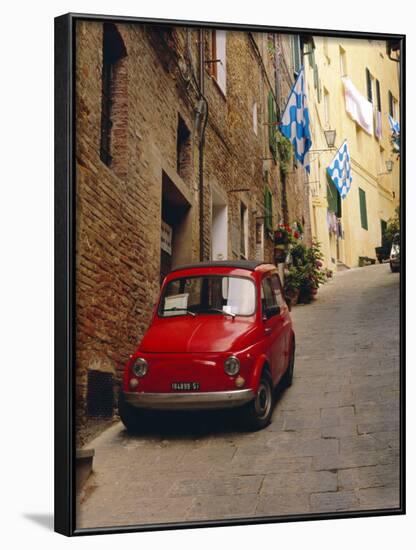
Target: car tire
259,411
287,378
129,415
393,269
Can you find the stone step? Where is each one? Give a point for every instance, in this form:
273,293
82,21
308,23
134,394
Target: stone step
341,266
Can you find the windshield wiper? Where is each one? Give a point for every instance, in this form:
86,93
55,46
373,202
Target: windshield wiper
222,311
181,309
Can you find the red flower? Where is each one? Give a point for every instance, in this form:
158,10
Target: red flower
296,235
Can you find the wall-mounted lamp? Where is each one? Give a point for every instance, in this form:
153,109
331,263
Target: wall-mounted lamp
389,168
330,136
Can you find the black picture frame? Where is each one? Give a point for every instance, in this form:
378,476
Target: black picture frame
65,279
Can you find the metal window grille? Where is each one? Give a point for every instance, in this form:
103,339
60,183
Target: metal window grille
100,395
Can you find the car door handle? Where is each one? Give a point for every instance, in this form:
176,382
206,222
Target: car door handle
268,330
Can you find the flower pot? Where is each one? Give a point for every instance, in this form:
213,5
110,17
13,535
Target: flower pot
280,253
293,296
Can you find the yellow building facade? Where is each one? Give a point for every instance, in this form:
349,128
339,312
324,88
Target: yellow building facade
351,228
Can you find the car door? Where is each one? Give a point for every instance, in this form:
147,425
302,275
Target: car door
273,328
284,320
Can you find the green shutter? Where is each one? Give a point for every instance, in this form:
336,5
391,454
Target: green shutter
296,53
317,83
268,209
333,197
272,124
363,209
311,56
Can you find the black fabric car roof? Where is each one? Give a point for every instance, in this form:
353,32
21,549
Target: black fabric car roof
240,264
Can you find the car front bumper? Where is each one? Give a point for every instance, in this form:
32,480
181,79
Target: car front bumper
189,400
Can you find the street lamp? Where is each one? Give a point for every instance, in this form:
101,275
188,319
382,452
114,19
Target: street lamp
330,136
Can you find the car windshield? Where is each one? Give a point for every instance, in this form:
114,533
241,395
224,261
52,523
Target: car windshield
208,294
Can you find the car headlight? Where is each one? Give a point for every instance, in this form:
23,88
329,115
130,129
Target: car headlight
232,365
140,367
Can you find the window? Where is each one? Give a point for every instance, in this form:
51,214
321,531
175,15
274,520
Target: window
268,297
297,54
333,197
243,231
343,62
326,107
255,118
363,209
272,125
214,295
392,106
369,81
277,289
218,60
113,146
377,112
269,304
268,209
378,96
183,150
316,82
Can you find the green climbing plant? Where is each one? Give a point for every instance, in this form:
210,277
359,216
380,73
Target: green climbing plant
284,148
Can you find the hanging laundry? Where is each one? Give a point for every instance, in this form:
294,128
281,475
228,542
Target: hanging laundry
358,107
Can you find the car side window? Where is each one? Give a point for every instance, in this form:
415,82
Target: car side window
268,297
277,289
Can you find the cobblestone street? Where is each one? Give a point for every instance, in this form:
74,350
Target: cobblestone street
333,443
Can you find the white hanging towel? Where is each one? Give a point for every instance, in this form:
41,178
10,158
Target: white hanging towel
358,107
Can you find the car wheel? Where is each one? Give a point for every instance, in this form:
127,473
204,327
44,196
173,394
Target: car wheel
129,415
259,411
393,269
287,378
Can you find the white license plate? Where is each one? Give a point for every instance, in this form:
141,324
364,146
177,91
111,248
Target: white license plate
185,386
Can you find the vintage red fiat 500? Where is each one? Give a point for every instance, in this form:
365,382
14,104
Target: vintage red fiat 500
221,336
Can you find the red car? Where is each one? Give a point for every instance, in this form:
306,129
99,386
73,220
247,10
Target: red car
221,336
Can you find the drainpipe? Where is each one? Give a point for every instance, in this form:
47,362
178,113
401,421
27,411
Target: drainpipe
202,143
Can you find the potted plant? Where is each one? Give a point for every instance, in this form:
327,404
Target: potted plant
285,238
310,259
283,234
293,282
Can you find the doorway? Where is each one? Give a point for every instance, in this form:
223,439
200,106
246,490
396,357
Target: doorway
219,227
176,228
